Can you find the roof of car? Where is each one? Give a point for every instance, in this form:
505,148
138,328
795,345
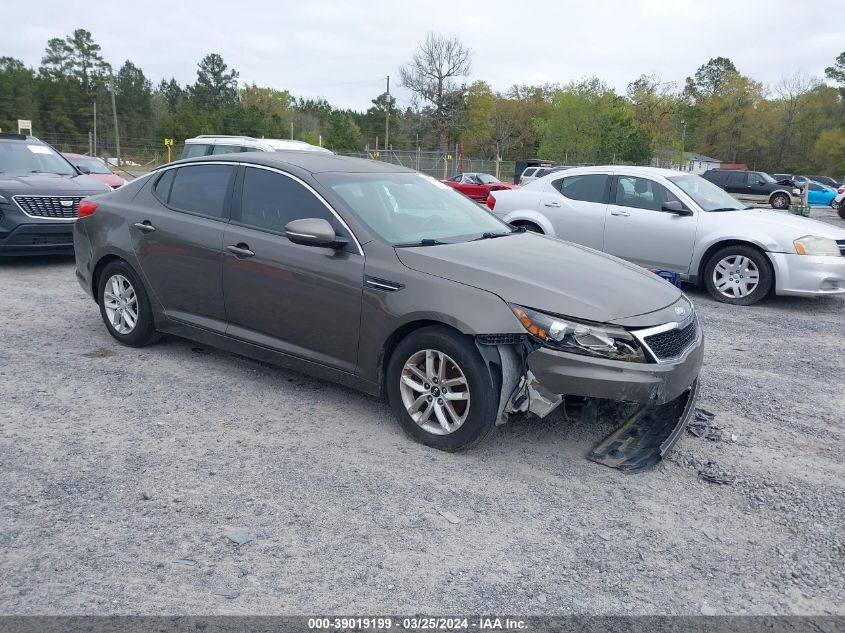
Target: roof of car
633,170
10,136
311,162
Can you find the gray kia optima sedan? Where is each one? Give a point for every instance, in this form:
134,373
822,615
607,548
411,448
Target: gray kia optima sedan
386,280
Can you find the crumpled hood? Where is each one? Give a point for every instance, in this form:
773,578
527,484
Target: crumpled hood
546,274
50,185
799,225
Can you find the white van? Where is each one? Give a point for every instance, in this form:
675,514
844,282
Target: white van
207,144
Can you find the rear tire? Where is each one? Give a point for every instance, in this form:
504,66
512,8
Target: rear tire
730,272
779,201
125,306
438,376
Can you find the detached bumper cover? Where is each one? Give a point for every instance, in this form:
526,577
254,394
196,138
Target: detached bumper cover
647,435
808,275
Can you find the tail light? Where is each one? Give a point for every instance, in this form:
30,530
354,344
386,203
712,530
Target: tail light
840,190
86,208
491,202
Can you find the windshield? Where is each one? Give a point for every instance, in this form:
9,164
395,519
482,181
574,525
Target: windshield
410,208
707,195
30,158
486,179
94,165
766,177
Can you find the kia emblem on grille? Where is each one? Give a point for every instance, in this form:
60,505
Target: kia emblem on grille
66,203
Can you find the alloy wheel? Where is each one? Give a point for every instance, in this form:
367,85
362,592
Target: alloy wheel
121,304
435,392
736,276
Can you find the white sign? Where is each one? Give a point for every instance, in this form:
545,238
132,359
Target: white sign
24,124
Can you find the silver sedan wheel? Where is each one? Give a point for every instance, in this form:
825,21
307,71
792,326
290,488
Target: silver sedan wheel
736,276
435,392
121,304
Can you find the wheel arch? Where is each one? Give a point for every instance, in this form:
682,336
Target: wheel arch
532,217
104,261
399,334
705,257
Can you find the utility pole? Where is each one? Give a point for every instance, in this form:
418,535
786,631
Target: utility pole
291,130
95,129
114,113
387,119
683,160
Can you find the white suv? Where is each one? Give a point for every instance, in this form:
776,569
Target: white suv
206,145
533,173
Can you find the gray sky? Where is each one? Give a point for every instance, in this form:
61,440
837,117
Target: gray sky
342,50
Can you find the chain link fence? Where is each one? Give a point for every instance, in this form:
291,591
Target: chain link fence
439,164
139,155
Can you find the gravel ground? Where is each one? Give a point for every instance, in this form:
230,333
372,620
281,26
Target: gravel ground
179,479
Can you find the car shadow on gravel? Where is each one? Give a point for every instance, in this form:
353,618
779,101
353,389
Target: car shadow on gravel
557,433
793,304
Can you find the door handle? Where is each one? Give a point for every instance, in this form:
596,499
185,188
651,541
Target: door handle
552,204
240,250
619,212
145,226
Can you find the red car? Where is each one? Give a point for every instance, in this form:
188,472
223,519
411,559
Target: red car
97,168
477,186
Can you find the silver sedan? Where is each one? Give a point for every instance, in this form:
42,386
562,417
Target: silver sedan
678,222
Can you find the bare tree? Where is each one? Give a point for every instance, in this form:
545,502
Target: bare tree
431,75
791,91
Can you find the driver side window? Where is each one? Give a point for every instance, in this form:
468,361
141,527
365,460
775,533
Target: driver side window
642,193
270,200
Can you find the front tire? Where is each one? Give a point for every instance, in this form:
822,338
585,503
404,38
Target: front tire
125,306
440,389
779,201
739,275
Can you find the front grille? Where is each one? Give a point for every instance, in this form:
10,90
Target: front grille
841,245
672,343
49,206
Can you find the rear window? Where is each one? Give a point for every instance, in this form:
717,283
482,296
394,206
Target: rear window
193,150
529,172
715,176
584,187
201,189
229,149
162,186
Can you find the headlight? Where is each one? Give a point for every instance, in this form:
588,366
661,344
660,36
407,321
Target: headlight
813,245
796,192
590,339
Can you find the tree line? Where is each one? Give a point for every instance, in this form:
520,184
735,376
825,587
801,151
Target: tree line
796,125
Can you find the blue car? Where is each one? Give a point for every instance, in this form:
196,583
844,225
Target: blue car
820,195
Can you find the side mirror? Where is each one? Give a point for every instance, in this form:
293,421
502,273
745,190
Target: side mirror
673,206
313,232
83,169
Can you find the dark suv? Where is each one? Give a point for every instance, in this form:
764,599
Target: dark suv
753,186
39,197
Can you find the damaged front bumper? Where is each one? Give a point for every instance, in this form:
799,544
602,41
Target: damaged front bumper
538,379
